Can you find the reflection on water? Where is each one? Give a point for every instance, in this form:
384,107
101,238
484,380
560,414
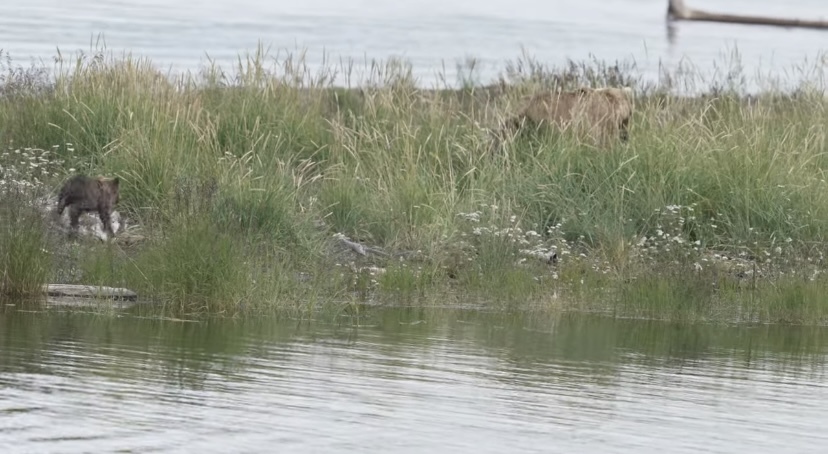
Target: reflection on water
455,382
434,35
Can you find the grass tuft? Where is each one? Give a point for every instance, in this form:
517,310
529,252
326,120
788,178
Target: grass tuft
25,262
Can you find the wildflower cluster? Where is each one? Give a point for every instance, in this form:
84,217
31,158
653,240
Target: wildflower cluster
677,236
29,167
480,229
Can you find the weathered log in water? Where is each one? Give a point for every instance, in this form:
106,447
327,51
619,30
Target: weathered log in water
89,296
676,10
88,303
88,291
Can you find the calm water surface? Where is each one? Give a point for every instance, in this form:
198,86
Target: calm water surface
432,34
408,381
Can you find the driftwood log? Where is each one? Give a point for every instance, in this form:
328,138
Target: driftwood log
88,291
358,248
676,10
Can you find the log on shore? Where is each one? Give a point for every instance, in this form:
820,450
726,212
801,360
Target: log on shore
88,291
676,10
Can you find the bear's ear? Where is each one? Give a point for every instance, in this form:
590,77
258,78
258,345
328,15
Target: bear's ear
116,181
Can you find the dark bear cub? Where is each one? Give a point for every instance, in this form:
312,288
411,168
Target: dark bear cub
82,194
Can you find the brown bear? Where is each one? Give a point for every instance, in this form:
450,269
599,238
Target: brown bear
602,112
84,194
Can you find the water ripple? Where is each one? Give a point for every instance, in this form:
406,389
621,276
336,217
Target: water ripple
411,392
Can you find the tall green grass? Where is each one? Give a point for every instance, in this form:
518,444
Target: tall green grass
25,262
240,180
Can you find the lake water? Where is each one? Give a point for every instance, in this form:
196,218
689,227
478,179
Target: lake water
431,34
408,381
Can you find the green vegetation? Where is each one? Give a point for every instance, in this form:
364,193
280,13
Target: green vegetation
238,185
24,261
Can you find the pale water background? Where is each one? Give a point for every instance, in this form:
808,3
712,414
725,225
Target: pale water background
408,381
432,34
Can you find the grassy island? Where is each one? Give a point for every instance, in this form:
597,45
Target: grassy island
266,188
